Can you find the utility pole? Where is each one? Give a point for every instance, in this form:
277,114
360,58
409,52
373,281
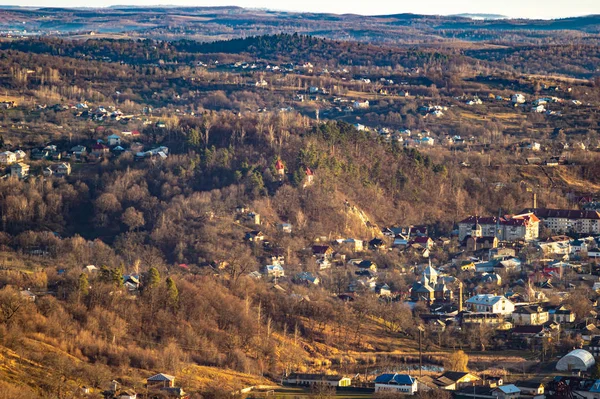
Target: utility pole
420,351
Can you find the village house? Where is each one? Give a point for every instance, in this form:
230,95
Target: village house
275,271
307,278
487,392
285,228
280,167
360,104
383,290
454,380
7,104
424,242
323,263
399,383
490,303
530,315
20,154
252,217
78,151
163,385
254,236
367,265
322,251
309,380
118,150
310,176
28,295
525,336
39,154
353,244
19,170
161,152
465,266
561,315
531,388
59,170
113,140
377,244
509,391
131,282
160,381
100,150
7,158
518,98
555,245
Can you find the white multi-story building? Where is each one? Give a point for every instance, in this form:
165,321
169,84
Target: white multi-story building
524,226
569,220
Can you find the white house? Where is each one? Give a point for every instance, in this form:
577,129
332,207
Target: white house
113,140
532,315
397,383
274,271
427,141
538,108
7,158
488,303
20,154
20,170
360,104
534,146
518,98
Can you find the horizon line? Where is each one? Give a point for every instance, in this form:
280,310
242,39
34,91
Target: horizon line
465,14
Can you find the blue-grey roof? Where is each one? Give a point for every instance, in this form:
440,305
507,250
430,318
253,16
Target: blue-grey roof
595,387
161,377
395,379
306,276
510,388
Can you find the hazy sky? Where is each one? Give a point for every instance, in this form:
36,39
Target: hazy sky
511,8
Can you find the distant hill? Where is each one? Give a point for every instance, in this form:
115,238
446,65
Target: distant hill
209,24
481,16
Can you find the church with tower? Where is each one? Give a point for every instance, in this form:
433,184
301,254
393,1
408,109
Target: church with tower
476,241
430,288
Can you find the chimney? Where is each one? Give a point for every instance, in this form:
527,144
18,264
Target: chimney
534,200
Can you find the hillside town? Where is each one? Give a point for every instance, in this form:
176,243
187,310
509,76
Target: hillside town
222,202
